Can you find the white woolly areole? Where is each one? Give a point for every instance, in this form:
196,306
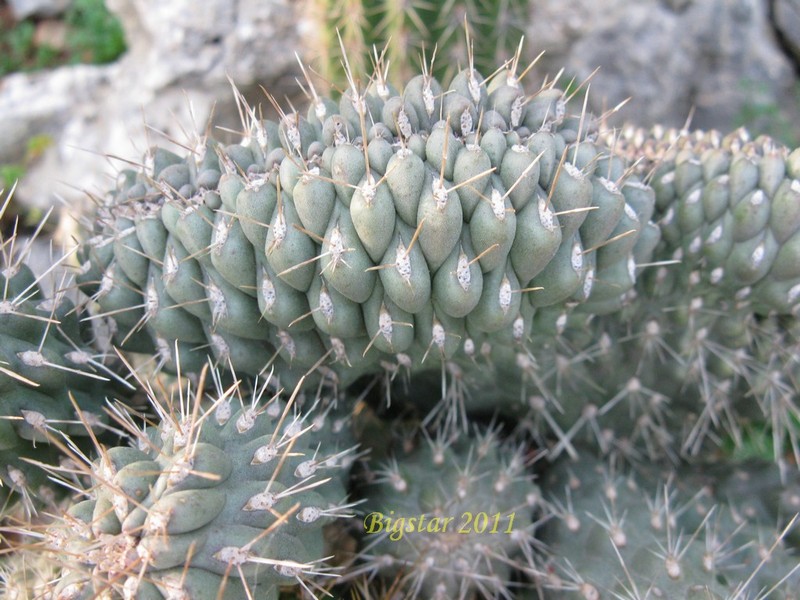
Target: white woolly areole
474,86
403,262
7,307
757,257
264,454
427,97
516,110
631,213
518,328
694,197
150,300
466,122
339,136
221,348
758,198
279,228
171,266
576,258
220,235
306,469
309,175
610,185
498,206
336,245
31,358
34,418
504,294
561,109
78,357
231,555
673,567
463,275
263,501
438,333
398,483
106,282
696,244
268,294
182,468
588,282
469,347
403,124
292,132
17,477
219,307
287,342
309,514
368,191
546,216
715,235
573,171
439,193
326,304
385,326
157,520
246,420
339,350
561,323
223,412
716,275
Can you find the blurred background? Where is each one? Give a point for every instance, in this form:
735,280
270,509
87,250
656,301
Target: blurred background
86,85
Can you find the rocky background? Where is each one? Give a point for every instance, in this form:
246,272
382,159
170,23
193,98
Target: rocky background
725,62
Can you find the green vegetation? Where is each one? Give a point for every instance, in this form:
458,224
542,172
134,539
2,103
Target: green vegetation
763,114
93,35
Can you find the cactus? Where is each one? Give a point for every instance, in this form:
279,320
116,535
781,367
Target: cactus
726,206
451,518
450,223
622,536
409,29
47,369
226,497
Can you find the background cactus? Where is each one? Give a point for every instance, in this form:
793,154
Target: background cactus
451,518
48,368
684,536
399,31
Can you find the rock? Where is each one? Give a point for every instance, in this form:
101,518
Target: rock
22,9
34,103
786,15
671,57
